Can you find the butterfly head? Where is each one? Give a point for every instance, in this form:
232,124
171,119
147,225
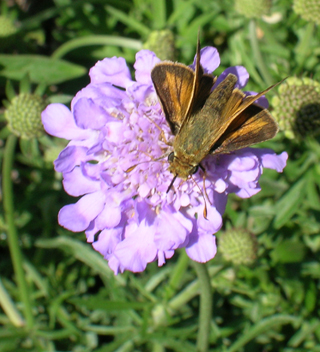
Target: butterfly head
180,167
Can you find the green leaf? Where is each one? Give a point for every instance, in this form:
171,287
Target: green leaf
288,251
306,330
128,20
39,68
84,253
263,326
289,203
311,297
95,302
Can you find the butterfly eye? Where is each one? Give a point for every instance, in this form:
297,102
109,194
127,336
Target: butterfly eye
194,170
171,157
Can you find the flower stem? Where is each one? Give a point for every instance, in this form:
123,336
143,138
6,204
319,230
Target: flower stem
13,242
257,54
205,313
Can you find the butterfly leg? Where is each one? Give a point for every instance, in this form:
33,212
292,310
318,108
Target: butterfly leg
146,161
162,135
204,182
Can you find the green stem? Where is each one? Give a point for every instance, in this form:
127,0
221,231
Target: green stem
13,241
257,54
96,40
205,313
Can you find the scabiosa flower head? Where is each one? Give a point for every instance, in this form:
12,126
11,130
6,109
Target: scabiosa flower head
309,10
116,162
297,107
238,246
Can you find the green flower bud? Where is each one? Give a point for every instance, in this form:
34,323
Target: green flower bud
162,44
309,10
253,8
238,246
24,115
297,107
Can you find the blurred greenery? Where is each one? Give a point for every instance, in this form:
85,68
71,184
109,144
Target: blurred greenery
76,303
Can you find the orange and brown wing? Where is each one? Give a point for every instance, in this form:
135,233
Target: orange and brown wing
182,91
174,84
203,84
248,123
253,125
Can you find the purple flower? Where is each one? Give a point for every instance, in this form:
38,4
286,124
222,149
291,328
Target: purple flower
116,124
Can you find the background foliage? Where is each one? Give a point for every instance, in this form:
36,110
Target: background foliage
77,303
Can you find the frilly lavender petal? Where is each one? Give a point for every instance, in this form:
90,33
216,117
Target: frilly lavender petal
58,121
270,160
116,161
262,101
114,71
145,61
77,217
239,71
209,59
76,183
87,107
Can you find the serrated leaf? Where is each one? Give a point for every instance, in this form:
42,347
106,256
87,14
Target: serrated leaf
40,69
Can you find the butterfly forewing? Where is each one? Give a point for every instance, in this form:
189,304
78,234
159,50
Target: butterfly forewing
257,126
249,100
248,123
174,84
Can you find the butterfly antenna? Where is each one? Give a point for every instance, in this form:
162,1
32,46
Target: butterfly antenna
146,161
205,212
198,50
171,183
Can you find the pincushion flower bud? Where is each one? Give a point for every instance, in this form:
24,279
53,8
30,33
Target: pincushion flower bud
23,115
297,107
238,246
253,8
162,44
309,10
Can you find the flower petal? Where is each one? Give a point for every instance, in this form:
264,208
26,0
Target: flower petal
145,61
84,109
202,248
172,230
262,101
114,71
77,184
209,59
70,157
239,71
58,121
77,217
137,250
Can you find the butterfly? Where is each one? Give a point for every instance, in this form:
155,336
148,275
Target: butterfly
205,120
